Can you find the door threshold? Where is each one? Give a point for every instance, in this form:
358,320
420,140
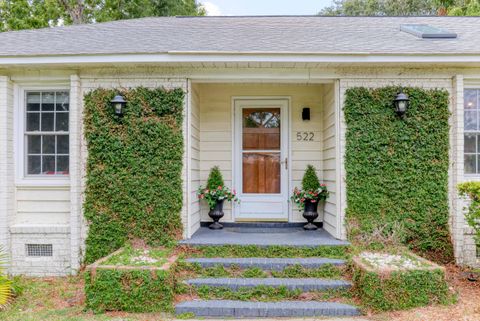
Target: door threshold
262,224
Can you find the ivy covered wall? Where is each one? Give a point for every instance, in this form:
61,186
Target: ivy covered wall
397,169
134,166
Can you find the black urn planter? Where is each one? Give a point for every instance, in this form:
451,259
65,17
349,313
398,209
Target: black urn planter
310,214
216,214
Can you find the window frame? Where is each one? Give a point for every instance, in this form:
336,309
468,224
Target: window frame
20,138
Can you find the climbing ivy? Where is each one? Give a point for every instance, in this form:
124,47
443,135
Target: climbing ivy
397,169
134,165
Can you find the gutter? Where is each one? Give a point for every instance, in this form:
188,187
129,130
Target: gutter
232,57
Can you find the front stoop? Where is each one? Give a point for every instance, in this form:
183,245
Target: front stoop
303,284
267,264
242,309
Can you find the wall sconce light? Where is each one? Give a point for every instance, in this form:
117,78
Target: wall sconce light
401,103
118,104
306,113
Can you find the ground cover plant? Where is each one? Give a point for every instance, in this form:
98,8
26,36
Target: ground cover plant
385,281
133,280
133,181
397,169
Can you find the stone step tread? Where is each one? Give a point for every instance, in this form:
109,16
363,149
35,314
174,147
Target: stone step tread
304,284
237,309
266,263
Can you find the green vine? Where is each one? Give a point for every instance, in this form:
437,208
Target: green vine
133,183
397,169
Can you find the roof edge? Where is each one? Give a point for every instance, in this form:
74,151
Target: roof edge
278,57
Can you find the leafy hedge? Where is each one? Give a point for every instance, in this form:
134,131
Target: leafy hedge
471,190
397,168
134,185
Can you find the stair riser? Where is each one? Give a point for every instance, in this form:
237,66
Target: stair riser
267,264
293,287
279,309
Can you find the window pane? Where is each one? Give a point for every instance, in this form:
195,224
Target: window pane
34,144
47,122
470,143
48,101
470,98
261,173
62,101
62,165
261,128
33,166
62,144
33,122
33,101
470,164
48,146
48,165
471,120
62,122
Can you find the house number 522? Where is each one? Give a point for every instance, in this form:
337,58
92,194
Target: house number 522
305,136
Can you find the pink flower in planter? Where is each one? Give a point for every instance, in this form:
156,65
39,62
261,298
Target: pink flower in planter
313,201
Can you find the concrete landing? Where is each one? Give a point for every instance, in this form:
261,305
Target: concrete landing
260,236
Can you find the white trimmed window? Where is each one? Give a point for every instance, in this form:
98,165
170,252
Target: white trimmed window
46,133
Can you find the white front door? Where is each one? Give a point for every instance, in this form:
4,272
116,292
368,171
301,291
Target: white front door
261,159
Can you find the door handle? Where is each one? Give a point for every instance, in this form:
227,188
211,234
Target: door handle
285,162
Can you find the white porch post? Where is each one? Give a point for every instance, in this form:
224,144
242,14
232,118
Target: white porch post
76,164
6,161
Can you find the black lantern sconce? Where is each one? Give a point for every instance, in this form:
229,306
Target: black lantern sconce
401,103
118,104
306,113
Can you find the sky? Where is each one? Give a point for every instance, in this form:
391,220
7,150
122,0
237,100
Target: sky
263,7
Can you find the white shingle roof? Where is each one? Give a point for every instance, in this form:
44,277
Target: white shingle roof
284,34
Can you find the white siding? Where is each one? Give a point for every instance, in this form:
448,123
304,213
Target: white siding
216,130
330,158
194,216
43,206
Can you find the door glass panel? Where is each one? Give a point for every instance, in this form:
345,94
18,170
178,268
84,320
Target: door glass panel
261,129
261,173
261,153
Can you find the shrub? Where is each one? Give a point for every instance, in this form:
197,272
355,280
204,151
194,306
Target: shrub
397,168
310,181
134,166
5,283
216,189
398,288
472,191
311,190
215,178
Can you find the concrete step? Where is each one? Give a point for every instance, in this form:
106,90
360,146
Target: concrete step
303,284
276,264
238,309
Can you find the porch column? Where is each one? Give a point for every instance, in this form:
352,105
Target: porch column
6,161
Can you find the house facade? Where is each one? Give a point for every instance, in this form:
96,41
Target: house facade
232,69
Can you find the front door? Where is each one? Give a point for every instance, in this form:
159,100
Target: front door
261,159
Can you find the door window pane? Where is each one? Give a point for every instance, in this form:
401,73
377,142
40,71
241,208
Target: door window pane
261,173
261,129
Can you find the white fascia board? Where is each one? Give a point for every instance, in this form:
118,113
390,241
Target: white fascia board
192,58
